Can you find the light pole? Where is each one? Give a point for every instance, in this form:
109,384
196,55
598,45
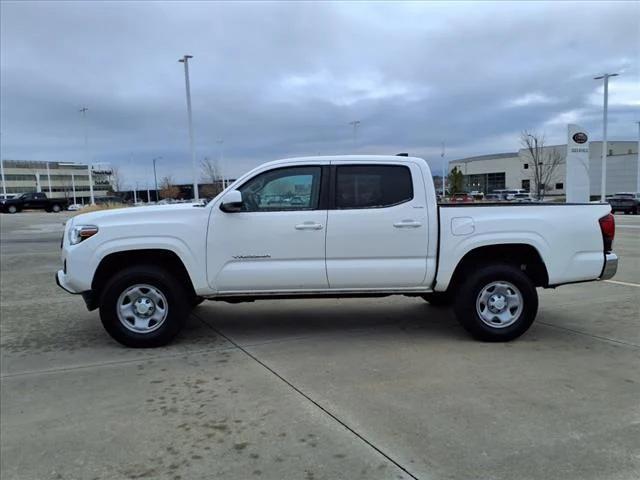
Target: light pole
4,185
444,170
220,142
603,186
49,179
83,110
355,124
185,60
73,187
638,162
155,177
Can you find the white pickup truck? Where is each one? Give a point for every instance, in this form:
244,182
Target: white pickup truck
342,226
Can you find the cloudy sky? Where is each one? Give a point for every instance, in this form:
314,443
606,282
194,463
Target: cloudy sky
274,80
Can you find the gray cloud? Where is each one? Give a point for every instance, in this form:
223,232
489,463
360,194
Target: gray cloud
282,79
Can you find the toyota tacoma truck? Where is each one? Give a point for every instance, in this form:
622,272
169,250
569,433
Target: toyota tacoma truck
342,226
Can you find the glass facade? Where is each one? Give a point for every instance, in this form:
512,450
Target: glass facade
485,182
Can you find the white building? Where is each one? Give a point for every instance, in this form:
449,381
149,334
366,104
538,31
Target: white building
486,173
56,179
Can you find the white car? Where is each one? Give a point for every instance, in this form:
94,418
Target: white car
364,226
74,207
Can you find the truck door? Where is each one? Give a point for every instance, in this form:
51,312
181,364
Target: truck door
277,240
377,226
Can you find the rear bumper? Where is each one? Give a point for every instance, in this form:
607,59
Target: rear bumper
610,266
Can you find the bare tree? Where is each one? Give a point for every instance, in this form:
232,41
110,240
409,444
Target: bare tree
211,177
168,189
210,171
543,164
117,179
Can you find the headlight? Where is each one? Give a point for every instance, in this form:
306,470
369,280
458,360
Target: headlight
81,232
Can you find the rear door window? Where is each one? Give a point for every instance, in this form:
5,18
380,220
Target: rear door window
372,186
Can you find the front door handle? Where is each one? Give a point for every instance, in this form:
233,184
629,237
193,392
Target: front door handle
407,224
309,226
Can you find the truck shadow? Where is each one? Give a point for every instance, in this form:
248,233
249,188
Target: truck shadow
281,319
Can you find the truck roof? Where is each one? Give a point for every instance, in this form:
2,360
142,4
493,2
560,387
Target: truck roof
349,158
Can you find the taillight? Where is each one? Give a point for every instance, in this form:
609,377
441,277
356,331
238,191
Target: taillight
608,229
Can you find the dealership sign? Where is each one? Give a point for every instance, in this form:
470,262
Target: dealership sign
577,185
580,137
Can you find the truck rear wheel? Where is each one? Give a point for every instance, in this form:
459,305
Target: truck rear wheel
55,208
143,306
496,303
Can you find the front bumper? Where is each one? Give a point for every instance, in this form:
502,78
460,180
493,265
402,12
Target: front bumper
610,266
88,296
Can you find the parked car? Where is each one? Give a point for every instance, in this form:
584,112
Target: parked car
626,202
522,197
492,197
33,201
461,198
74,207
376,231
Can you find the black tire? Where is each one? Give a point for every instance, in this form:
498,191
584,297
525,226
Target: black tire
56,208
12,209
177,299
438,299
468,294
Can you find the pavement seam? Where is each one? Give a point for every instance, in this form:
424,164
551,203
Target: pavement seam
115,362
308,398
158,357
598,337
627,284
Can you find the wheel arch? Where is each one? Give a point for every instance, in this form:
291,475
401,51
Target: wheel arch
116,261
526,256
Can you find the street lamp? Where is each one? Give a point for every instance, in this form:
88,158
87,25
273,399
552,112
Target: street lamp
604,77
83,110
155,177
185,60
220,142
355,124
444,170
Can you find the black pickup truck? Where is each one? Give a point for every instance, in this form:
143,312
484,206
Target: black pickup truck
33,201
625,202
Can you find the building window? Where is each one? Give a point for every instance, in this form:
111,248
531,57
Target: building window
495,181
611,151
526,184
559,186
526,166
629,152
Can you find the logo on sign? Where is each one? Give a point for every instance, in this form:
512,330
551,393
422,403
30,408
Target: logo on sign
580,137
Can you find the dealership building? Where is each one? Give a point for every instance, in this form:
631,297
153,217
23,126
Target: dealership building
56,179
487,173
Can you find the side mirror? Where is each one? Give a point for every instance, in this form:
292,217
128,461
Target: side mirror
232,202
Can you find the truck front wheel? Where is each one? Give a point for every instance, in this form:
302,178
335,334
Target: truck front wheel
496,303
143,306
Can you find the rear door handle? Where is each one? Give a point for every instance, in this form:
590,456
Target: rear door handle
309,226
407,224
